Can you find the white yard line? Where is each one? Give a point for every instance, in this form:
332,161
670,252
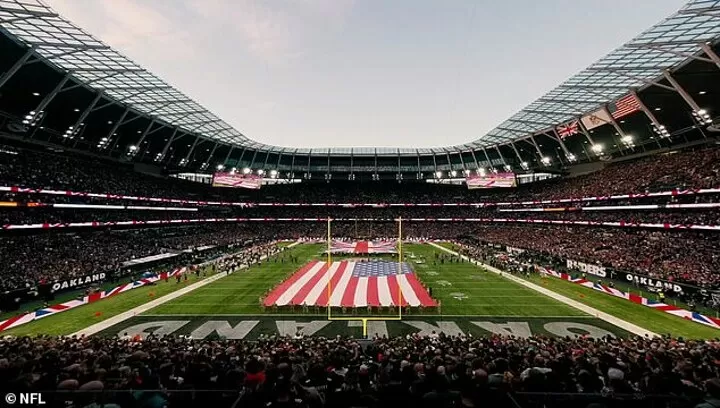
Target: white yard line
100,326
632,328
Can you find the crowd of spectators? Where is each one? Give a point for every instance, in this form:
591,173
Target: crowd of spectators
29,259
684,170
687,257
20,216
433,371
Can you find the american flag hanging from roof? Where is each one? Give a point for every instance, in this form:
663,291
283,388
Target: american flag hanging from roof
567,129
625,106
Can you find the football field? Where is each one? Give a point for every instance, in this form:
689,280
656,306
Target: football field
472,300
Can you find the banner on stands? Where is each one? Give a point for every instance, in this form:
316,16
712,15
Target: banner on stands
237,180
77,282
657,283
514,251
591,269
491,180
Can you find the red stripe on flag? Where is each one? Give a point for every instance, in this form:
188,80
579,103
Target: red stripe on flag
348,299
422,294
625,106
395,290
307,287
322,300
281,288
362,247
7,323
373,298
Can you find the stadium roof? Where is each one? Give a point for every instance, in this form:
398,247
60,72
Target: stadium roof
636,64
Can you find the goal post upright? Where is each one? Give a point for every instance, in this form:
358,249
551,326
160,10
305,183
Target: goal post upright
363,319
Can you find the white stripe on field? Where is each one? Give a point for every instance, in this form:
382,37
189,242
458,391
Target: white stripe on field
322,284
384,291
360,299
290,293
339,290
408,293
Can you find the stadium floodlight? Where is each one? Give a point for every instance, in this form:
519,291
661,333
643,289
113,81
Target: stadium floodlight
220,166
246,170
466,171
661,130
545,160
260,172
627,139
525,165
453,173
438,174
571,157
702,116
132,148
507,167
481,171
273,173
233,170
597,148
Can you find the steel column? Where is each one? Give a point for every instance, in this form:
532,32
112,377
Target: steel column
192,148
487,157
562,144
16,67
647,111
116,126
688,99
500,153
516,152
227,157
707,50
86,112
167,145
49,97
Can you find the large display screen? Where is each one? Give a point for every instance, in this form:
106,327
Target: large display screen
236,180
491,180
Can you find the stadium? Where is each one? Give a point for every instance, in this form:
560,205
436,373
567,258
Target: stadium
155,256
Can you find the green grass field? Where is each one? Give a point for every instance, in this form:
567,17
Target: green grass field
472,300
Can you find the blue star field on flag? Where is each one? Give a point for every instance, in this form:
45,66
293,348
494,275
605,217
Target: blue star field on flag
379,268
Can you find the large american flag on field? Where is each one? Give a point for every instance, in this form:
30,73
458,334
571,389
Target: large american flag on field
352,284
363,247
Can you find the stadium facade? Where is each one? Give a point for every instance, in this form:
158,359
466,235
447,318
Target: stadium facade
61,87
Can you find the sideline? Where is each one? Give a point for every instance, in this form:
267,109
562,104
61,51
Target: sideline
105,324
630,327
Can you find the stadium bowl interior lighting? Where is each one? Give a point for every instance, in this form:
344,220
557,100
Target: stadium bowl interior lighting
453,173
220,167
627,139
438,174
597,148
246,170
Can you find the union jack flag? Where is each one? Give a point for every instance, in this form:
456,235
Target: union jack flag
567,129
364,247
